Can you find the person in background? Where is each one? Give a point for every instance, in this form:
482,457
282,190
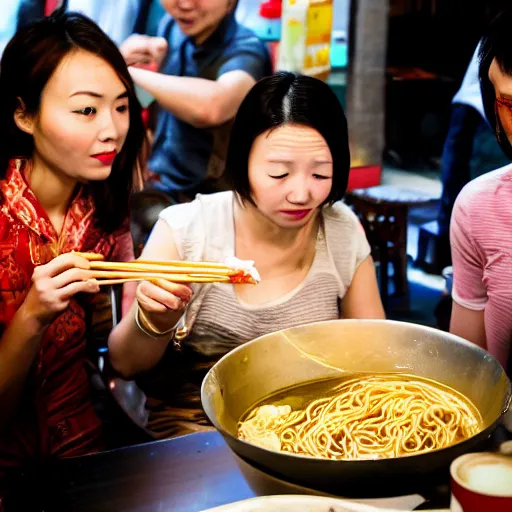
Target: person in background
467,115
119,19
71,133
481,226
206,65
8,22
30,11
155,13
288,164
468,127
16,14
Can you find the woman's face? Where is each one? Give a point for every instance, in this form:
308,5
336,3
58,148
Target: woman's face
290,174
503,89
83,118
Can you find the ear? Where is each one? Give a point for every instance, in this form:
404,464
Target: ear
24,121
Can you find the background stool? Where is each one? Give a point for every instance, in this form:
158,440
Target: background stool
383,212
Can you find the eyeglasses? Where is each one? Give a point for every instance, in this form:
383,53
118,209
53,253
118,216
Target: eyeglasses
503,112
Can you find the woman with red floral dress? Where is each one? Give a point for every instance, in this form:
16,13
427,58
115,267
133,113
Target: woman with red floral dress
71,134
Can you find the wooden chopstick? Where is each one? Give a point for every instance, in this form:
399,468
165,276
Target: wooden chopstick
197,279
91,256
167,268
108,273
180,263
106,282
176,278
98,258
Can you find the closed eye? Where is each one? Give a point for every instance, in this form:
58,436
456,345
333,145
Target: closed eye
87,111
321,177
279,176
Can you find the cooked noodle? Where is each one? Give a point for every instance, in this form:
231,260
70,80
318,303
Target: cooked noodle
366,418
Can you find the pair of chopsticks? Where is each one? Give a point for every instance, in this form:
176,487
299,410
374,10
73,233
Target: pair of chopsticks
110,273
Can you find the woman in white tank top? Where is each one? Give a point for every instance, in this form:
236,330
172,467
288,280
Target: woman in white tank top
288,163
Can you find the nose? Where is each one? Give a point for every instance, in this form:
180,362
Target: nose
186,5
109,129
299,192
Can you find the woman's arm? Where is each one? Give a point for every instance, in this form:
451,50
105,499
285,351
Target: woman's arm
362,299
469,292
19,346
468,324
131,350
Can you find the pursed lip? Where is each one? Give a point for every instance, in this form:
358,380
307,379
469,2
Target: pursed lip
106,158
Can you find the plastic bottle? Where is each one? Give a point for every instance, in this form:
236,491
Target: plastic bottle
265,21
270,13
306,28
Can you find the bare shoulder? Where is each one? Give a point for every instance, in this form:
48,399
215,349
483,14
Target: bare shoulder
341,215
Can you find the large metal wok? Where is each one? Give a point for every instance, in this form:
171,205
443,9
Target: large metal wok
317,351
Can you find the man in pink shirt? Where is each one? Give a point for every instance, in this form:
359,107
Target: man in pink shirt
481,225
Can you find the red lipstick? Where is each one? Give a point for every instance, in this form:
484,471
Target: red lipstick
295,214
106,158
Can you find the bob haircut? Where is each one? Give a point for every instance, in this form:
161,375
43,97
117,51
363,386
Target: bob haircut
287,98
28,62
496,45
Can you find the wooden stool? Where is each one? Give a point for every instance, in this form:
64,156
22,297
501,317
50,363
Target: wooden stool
383,212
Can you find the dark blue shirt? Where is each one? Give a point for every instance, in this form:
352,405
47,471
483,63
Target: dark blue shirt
182,154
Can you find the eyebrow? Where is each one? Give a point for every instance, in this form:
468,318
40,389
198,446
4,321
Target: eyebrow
290,161
97,95
280,160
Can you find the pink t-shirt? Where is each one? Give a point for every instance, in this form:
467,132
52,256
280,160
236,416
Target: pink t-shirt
481,238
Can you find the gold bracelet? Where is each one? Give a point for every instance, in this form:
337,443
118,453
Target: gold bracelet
144,324
141,327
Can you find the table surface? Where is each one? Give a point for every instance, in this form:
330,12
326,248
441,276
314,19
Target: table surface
391,194
190,473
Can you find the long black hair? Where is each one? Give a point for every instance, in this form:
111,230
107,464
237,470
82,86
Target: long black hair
28,62
496,45
288,98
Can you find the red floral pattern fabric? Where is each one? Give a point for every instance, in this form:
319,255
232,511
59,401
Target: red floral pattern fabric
55,417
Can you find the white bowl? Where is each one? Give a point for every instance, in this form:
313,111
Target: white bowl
290,503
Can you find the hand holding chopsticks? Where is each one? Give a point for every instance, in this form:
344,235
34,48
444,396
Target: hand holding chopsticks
160,305
163,296
53,286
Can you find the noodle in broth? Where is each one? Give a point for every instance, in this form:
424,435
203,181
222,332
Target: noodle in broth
367,417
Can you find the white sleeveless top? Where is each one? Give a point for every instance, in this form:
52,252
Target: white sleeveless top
204,229
217,321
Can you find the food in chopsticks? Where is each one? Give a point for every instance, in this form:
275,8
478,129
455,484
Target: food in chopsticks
232,271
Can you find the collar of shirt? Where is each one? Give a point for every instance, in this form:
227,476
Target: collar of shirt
21,203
